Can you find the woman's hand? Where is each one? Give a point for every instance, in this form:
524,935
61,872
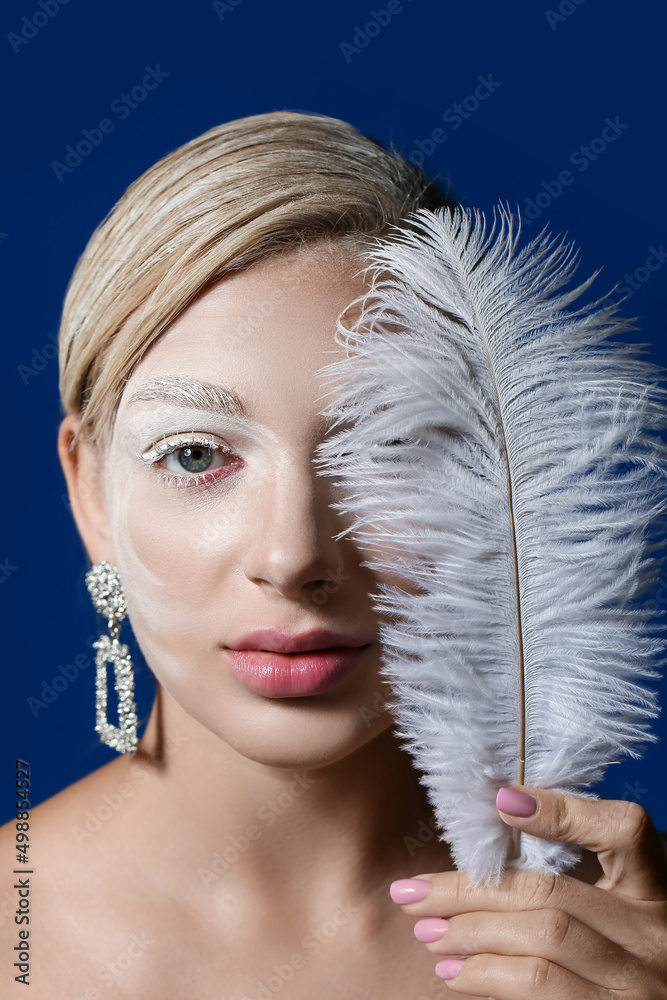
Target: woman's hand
554,937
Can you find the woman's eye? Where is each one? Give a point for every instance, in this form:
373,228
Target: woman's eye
194,458
191,460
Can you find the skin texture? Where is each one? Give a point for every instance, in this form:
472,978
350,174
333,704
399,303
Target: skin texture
540,935
253,837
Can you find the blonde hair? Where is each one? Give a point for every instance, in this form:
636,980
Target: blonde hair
239,192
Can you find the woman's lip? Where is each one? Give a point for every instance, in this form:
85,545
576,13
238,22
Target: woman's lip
290,675
284,642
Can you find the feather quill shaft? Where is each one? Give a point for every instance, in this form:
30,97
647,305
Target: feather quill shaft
501,455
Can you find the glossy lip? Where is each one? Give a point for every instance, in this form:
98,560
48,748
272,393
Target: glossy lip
279,665
283,642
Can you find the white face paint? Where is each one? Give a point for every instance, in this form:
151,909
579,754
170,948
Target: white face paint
158,501
237,533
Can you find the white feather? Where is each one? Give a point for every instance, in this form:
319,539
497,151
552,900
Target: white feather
502,456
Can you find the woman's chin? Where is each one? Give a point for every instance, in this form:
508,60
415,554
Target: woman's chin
280,734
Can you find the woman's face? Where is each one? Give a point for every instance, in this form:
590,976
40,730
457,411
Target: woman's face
235,533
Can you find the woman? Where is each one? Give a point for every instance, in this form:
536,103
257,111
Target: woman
264,837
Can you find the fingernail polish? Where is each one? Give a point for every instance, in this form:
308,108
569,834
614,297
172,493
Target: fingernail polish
409,890
430,929
449,968
515,803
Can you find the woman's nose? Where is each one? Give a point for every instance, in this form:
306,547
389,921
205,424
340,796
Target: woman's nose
292,546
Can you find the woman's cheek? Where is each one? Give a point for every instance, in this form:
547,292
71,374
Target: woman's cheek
173,564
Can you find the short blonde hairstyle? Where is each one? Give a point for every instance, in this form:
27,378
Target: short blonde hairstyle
241,191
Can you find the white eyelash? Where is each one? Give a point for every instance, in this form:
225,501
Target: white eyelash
175,479
173,442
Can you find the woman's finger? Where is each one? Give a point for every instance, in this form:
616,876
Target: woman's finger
621,833
553,935
446,894
526,978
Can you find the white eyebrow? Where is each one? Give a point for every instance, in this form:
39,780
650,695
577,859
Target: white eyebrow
186,391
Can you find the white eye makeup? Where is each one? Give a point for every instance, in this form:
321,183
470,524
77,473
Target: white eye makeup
191,459
166,442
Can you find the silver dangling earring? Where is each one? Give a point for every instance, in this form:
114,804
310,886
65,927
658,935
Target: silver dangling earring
105,588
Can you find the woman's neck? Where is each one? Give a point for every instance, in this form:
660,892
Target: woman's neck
302,836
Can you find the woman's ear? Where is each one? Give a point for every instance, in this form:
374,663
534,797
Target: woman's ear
84,478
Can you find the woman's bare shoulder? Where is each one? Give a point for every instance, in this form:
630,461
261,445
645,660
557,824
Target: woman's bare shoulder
63,824
70,883
63,833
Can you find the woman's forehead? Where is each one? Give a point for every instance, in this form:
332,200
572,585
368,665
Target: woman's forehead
274,321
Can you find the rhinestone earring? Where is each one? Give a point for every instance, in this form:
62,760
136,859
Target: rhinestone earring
105,588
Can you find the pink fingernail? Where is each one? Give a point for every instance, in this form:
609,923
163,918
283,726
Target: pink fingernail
449,968
409,890
430,929
515,803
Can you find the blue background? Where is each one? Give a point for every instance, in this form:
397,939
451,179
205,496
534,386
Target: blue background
557,78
